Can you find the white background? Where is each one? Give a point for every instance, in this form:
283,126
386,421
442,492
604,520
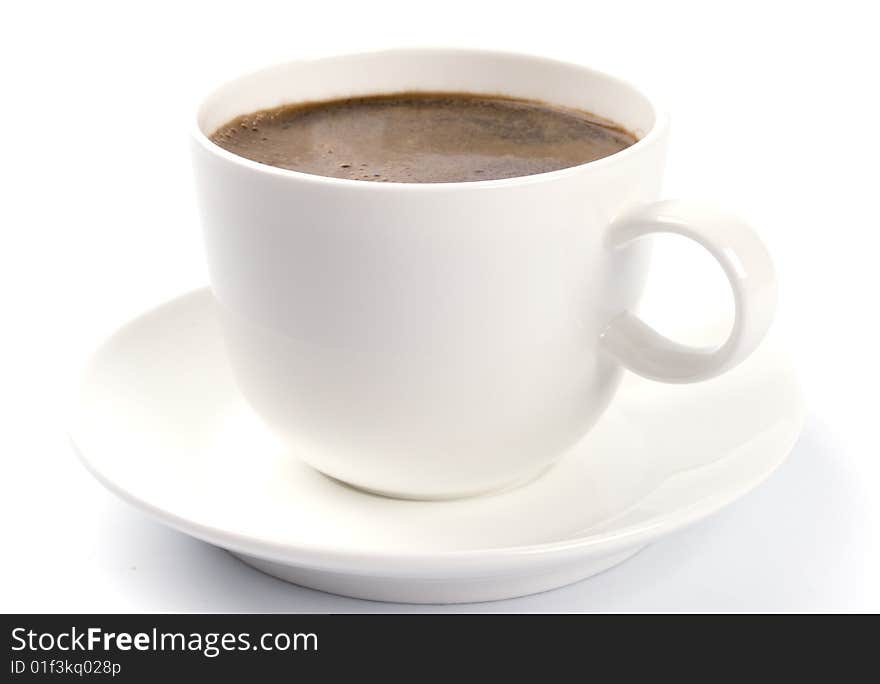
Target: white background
775,113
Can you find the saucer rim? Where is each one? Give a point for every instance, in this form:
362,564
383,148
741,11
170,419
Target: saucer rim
405,562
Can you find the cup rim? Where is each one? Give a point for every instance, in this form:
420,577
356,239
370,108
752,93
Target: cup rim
656,131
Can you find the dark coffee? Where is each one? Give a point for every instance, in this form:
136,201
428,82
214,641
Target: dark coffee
422,137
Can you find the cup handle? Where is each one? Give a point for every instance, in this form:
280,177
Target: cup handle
742,255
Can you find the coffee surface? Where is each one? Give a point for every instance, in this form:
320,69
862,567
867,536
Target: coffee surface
422,137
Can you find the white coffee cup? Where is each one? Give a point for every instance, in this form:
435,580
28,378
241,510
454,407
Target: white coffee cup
443,340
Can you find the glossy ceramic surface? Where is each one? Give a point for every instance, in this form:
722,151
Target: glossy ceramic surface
159,421
444,340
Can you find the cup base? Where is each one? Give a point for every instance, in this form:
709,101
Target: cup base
404,496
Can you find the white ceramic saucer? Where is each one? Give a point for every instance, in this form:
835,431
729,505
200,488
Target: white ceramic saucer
159,421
